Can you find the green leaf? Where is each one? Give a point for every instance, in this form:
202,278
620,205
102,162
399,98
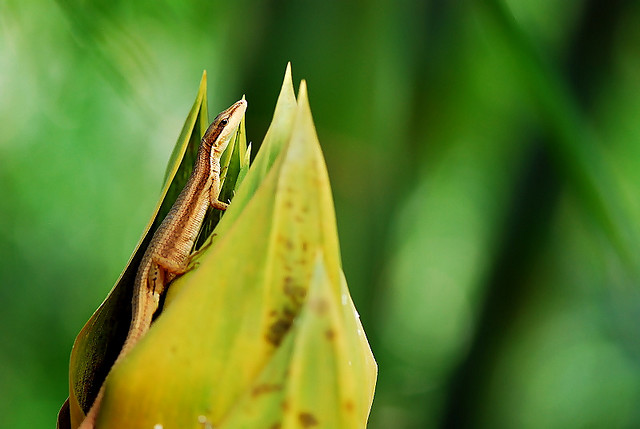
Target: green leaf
98,343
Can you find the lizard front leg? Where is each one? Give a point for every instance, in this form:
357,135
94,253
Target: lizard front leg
214,193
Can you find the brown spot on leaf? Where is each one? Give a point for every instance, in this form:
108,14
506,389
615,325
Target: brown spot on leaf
278,329
307,420
294,292
265,388
288,280
276,425
330,334
288,313
320,306
349,405
286,242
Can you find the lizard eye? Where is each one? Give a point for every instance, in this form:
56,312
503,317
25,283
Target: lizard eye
224,122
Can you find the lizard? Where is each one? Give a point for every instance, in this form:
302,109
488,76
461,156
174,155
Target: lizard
169,250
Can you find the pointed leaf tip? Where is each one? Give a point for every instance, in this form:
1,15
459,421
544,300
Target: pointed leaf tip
303,93
287,82
203,82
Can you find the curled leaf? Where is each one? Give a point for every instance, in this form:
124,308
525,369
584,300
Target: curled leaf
100,340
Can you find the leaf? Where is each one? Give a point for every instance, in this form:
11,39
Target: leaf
64,417
275,139
98,344
321,374
248,325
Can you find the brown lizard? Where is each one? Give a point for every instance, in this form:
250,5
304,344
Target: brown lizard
167,255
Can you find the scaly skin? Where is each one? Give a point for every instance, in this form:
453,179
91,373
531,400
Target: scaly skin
168,253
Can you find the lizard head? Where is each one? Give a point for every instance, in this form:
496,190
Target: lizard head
223,126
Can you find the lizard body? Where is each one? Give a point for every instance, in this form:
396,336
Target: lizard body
167,255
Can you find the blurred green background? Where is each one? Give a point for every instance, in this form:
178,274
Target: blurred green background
484,158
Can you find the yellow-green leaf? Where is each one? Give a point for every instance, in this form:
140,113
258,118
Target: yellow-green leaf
323,374
98,344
